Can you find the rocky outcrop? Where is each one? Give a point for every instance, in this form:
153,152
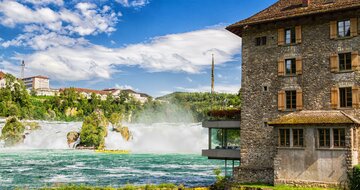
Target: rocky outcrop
31,126
13,132
125,132
72,137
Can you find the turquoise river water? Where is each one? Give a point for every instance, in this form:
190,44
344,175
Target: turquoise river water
39,168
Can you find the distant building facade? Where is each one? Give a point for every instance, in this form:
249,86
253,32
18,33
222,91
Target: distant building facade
141,97
300,92
40,85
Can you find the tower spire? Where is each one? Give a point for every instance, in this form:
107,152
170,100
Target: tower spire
212,75
22,69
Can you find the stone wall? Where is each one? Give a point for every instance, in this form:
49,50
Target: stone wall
254,174
260,67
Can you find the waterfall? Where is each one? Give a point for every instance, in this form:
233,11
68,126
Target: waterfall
146,138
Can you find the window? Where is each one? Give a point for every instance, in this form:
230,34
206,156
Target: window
345,97
290,67
265,88
344,28
290,100
324,138
260,41
339,138
284,137
298,137
345,61
290,36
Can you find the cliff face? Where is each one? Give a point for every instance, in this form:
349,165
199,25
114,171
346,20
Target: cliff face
13,132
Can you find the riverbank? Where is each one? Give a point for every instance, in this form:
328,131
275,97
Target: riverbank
179,187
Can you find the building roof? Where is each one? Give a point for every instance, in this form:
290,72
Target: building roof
89,91
38,76
285,9
315,117
2,75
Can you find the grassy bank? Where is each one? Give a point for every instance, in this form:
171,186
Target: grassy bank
175,187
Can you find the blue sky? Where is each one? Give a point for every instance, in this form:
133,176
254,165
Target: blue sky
152,46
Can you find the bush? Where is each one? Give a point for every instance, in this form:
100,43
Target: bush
13,132
94,130
354,178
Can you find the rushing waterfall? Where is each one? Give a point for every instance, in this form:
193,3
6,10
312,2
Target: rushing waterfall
146,138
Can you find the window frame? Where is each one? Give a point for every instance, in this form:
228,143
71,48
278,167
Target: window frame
345,100
290,137
292,67
343,60
293,103
291,37
327,141
261,41
302,137
342,137
345,33
287,135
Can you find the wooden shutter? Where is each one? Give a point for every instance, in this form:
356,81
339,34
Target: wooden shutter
299,100
298,65
333,30
355,61
355,96
354,26
334,63
334,97
281,67
281,36
298,34
281,100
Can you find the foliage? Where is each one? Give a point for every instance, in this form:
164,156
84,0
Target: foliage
12,132
70,105
165,186
224,114
94,130
221,181
201,103
354,178
116,120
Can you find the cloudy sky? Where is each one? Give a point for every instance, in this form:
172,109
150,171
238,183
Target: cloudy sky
152,46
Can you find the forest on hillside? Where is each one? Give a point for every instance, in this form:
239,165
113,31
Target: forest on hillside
72,106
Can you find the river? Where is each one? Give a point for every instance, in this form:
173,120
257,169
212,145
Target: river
160,153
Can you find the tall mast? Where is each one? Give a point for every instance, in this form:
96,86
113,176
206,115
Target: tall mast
212,75
22,69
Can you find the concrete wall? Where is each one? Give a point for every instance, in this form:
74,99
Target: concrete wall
40,83
311,164
2,83
260,68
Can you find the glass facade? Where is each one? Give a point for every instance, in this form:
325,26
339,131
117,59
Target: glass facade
224,138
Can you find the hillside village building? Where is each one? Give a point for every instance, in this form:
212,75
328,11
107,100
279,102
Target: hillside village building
300,92
40,85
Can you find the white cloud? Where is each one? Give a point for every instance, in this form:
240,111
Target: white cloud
189,79
124,87
85,19
133,3
186,52
221,88
44,2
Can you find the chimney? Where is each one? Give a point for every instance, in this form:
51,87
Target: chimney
306,3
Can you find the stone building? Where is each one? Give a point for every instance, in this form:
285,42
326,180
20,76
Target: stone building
300,92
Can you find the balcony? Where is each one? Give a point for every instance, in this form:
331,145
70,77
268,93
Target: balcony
224,140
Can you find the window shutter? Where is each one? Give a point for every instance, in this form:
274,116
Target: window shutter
333,30
334,97
334,63
299,100
281,67
298,65
281,36
354,26
355,61
355,96
281,100
298,34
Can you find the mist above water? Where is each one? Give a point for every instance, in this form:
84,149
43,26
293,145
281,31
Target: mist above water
147,138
